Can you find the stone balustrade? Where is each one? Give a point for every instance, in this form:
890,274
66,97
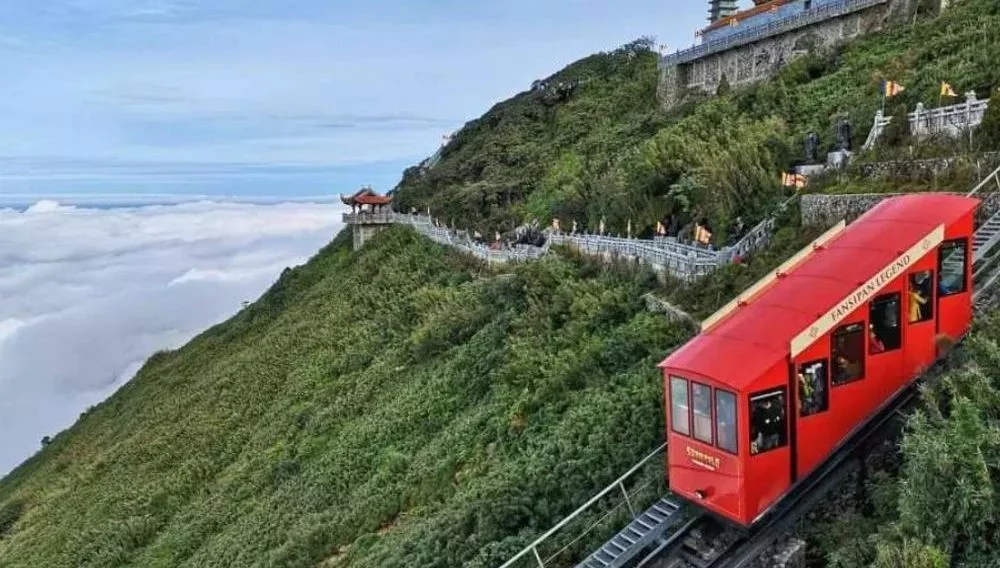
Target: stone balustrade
953,120
664,254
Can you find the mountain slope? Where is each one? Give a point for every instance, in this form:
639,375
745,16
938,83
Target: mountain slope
397,407
606,151
402,406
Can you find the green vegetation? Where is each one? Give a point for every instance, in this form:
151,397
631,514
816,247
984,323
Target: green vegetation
565,143
988,132
897,132
596,152
396,407
404,406
942,507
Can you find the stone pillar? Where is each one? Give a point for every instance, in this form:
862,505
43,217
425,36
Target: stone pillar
970,100
918,128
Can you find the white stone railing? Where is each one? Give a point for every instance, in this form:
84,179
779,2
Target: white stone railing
424,225
757,33
667,254
681,260
953,120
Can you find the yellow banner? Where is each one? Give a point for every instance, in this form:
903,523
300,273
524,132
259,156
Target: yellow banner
866,291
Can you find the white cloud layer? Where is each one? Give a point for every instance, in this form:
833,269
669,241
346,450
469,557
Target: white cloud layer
88,294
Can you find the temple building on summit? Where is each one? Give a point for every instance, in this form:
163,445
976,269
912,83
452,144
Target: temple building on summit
743,46
718,9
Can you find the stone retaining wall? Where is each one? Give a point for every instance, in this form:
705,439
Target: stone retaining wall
923,169
820,210
762,59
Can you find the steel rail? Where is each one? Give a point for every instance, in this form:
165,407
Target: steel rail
994,176
615,485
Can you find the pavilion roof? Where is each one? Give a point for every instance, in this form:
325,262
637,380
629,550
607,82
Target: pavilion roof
366,196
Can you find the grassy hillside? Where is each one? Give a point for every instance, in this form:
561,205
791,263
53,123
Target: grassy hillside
605,150
404,406
399,407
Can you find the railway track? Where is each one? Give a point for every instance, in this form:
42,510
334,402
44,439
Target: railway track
704,542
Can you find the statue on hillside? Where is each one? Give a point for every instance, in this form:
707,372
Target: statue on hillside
844,134
812,147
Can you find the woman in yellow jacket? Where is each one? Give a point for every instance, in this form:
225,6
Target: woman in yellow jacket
916,300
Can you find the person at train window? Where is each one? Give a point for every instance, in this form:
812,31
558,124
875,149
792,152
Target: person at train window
917,301
846,370
806,392
884,333
812,388
875,344
767,424
919,306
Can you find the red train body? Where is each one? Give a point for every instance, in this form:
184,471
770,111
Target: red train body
782,376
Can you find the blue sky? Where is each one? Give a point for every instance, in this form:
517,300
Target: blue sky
270,97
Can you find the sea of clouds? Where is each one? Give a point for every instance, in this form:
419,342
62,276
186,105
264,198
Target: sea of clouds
87,294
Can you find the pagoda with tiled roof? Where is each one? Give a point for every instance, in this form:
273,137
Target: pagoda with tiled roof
366,197
370,214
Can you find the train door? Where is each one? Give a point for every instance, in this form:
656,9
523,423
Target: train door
810,375
885,343
768,474
953,289
921,317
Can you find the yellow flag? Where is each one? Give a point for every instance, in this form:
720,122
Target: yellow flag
947,91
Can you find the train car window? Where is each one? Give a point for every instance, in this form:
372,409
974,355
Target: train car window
813,394
951,267
768,422
680,416
701,398
725,421
920,306
884,332
847,353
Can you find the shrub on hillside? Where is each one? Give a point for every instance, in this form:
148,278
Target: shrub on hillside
897,132
9,515
988,133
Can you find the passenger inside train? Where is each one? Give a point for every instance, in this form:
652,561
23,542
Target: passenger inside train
849,353
813,397
767,422
920,293
884,333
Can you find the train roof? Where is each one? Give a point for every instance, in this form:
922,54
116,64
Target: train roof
756,334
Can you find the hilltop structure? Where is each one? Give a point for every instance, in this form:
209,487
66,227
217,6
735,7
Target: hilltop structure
746,46
368,214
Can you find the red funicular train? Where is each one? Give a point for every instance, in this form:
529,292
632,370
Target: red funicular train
784,374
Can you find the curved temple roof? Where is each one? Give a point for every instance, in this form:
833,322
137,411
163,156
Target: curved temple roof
804,302
366,196
760,6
